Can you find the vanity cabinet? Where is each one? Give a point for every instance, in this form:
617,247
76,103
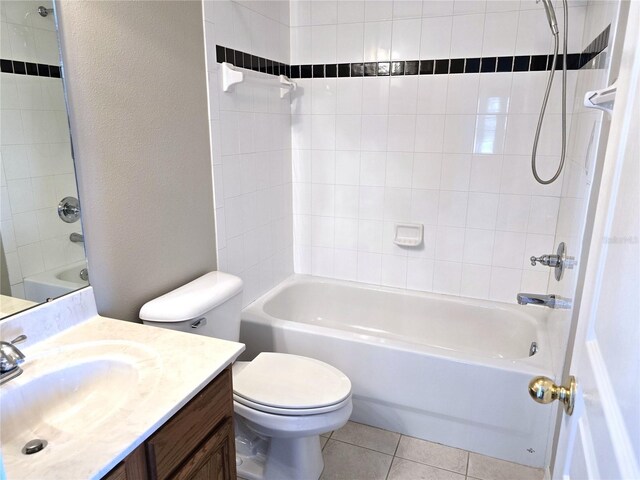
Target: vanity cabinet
197,443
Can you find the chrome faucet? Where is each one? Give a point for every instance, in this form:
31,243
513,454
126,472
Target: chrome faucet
551,301
10,359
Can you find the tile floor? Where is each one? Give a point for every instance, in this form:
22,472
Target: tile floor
361,452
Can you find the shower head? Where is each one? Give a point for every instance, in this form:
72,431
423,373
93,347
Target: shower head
551,15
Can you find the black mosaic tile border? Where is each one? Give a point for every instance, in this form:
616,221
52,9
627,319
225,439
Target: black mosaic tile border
596,46
517,63
27,68
255,63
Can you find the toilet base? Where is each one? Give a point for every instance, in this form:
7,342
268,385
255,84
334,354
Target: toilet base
259,458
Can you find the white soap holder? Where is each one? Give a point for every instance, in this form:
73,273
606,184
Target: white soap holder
409,234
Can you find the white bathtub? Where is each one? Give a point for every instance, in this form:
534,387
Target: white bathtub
441,368
56,282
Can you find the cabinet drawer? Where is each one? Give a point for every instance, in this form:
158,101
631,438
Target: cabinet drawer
170,446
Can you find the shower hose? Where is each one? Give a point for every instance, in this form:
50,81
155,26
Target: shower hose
534,168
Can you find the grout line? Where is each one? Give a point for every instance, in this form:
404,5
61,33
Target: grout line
466,472
360,446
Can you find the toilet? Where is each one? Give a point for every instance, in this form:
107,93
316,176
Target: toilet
282,402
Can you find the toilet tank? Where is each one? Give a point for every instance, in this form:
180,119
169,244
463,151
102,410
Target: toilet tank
209,305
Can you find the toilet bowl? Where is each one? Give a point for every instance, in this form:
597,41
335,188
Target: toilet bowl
282,402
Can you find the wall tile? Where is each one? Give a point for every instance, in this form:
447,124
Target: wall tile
435,41
449,151
475,281
447,277
407,9
378,10
420,274
350,11
401,133
324,13
350,43
377,40
405,42
466,35
500,32
393,272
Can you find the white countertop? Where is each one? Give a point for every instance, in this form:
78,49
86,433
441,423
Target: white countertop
175,367
11,305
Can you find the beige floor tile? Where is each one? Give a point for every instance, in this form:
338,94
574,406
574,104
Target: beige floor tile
433,454
343,461
487,468
328,434
369,437
406,470
323,441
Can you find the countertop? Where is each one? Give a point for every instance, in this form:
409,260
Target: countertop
174,367
11,305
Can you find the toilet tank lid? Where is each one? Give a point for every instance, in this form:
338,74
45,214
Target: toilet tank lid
193,299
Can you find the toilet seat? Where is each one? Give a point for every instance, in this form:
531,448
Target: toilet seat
286,384
290,411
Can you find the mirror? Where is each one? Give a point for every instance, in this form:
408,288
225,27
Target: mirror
41,256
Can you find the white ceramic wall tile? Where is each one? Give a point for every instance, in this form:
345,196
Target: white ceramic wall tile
500,33
447,277
432,94
401,133
456,170
435,41
466,35
255,207
350,11
478,247
448,151
377,41
402,95
405,42
505,284
407,8
378,10
350,43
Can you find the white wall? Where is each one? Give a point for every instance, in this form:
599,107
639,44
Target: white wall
36,163
251,138
449,151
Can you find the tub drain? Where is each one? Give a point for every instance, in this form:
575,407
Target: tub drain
33,446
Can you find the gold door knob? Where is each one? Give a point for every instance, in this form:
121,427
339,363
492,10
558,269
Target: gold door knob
543,390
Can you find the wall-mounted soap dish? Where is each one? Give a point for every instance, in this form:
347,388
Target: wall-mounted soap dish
409,234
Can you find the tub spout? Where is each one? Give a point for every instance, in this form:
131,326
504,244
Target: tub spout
551,301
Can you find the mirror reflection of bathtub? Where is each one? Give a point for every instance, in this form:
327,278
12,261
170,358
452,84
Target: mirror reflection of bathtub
56,282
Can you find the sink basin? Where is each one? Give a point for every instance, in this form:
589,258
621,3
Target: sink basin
66,393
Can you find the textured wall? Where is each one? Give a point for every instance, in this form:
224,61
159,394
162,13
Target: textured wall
137,94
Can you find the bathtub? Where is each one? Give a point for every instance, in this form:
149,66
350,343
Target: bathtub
56,282
446,369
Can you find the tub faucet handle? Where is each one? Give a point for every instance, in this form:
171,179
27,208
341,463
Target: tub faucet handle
558,261
546,260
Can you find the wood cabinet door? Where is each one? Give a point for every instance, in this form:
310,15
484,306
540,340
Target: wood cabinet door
134,467
214,459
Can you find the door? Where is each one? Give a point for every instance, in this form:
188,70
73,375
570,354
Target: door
601,439
213,460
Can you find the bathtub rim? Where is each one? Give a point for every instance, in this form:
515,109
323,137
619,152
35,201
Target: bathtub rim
539,364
